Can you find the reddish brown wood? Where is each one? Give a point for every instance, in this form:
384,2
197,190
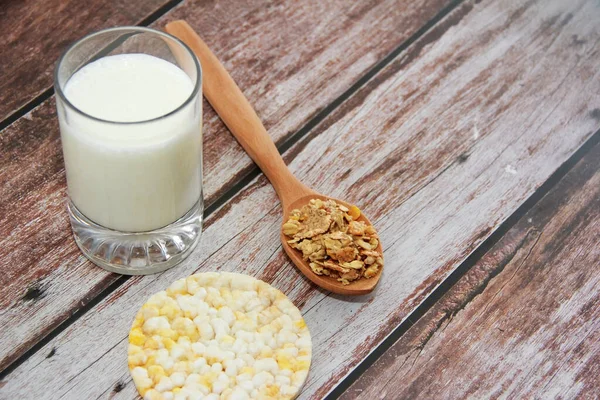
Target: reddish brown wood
287,57
524,322
441,155
35,32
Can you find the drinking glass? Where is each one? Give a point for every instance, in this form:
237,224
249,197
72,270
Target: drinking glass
134,188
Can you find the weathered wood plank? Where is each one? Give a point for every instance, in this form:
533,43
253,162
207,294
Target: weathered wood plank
287,58
524,322
443,152
35,32
292,60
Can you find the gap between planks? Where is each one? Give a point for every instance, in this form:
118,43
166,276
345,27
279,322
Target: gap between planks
283,146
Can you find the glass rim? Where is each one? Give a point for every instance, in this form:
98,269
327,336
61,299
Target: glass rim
59,92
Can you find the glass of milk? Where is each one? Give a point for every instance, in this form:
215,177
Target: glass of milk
130,114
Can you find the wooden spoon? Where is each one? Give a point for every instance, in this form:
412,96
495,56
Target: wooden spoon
234,109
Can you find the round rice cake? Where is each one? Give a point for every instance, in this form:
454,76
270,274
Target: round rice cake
219,336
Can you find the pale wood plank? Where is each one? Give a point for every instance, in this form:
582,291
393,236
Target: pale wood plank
287,57
430,169
524,322
35,32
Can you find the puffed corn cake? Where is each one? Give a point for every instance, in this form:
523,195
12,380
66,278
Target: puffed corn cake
219,336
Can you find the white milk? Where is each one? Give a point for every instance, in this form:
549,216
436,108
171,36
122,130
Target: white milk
133,176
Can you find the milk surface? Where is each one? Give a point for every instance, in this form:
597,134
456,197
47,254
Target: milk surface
136,167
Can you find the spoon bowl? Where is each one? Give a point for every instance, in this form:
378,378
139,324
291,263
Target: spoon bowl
357,287
236,112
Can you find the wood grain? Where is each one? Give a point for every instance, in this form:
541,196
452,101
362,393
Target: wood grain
524,322
233,108
286,56
443,152
292,60
34,33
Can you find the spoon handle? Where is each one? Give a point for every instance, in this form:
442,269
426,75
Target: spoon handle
234,109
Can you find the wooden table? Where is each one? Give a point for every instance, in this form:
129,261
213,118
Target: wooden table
469,130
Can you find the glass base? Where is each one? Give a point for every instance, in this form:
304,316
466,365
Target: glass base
132,253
